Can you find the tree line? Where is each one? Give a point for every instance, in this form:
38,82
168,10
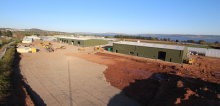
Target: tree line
201,42
6,33
162,39
139,37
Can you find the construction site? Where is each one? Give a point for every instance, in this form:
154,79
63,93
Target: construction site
81,71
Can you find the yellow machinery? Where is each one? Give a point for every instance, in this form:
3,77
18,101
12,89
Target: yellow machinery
46,46
33,50
98,48
59,47
48,50
190,60
41,44
55,49
81,49
62,47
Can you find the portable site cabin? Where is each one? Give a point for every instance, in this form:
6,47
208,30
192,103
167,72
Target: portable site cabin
23,49
34,37
169,53
26,50
27,40
83,42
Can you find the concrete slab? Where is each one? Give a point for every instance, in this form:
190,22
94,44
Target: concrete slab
66,80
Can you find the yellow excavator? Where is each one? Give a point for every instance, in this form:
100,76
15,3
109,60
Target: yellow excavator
41,44
190,61
62,47
59,47
48,50
81,49
98,48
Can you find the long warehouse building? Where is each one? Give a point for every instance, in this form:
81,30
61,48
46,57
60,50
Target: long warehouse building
83,42
169,53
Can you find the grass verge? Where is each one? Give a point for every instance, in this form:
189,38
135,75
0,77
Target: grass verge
2,46
6,68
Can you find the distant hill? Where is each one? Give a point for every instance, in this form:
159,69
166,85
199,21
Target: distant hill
40,30
43,32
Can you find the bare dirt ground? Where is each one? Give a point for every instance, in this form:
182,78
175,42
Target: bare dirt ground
150,82
155,82
55,79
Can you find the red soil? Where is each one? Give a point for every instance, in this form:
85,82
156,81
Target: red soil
155,82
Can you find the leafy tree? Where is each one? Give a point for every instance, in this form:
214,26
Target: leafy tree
4,33
38,34
201,41
9,33
164,39
26,34
0,33
177,40
157,38
3,41
152,38
169,39
191,41
216,42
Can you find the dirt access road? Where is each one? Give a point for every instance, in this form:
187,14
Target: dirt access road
155,82
57,79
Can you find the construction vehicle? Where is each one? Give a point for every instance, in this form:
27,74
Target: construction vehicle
46,46
62,47
41,44
55,49
81,49
98,48
59,47
190,60
50,49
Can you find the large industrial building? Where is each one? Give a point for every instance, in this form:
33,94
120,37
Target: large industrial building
169,53
83,42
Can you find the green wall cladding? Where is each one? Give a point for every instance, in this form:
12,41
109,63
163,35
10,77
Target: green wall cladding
95,42
176,56
83,43
69,41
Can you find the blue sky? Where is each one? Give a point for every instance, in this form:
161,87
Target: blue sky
115,16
